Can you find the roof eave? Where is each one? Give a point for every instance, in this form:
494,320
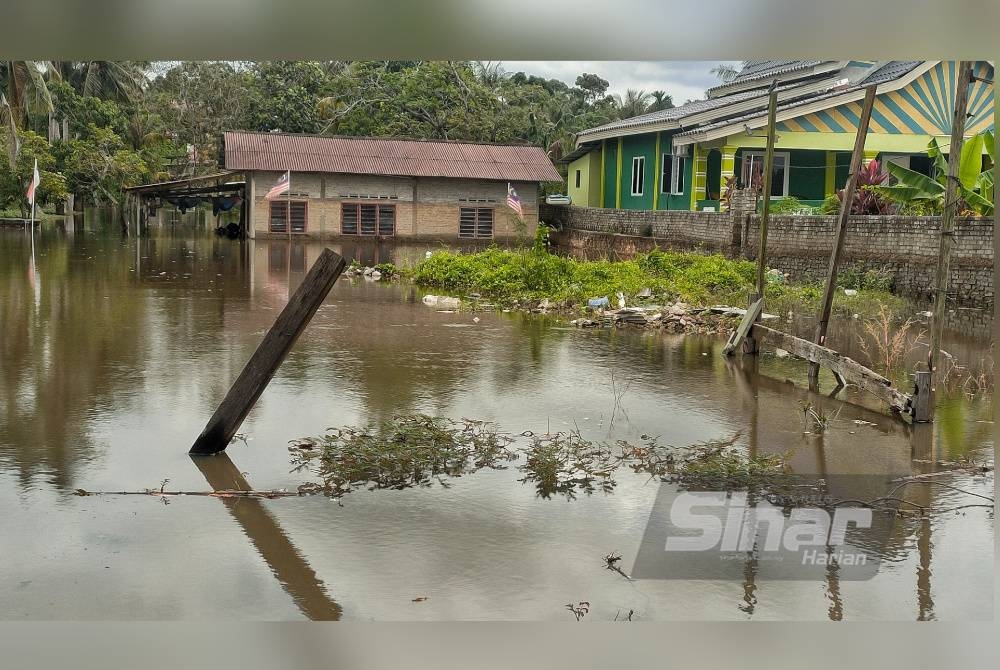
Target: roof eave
764,81
806,107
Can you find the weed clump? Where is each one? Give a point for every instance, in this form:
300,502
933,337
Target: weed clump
411,450
564,463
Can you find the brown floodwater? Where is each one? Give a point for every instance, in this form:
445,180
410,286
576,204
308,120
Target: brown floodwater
115,351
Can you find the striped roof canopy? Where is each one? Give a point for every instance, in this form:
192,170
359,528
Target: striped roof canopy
914,97
395,157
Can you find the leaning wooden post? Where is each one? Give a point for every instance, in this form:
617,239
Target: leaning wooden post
947,239
841,232
272,351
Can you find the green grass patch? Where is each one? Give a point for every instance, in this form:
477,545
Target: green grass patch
508,275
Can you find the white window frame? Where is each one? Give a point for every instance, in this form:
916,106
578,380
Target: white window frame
639,161
788,167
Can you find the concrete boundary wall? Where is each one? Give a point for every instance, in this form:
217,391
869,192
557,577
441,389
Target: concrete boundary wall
902,247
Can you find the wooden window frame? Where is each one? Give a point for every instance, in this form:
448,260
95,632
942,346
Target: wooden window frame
476,227
578,178
357,207
284,207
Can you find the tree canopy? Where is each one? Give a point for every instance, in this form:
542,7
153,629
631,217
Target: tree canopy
99,126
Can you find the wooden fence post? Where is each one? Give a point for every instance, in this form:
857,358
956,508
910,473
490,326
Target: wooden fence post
838,242
272,351
772,110
951,201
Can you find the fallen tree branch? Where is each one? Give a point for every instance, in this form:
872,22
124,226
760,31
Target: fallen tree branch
228,493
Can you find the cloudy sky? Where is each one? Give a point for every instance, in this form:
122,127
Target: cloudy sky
683,80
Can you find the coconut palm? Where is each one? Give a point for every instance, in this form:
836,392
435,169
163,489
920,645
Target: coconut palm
634,103
725,72
661,100
23,85
23,91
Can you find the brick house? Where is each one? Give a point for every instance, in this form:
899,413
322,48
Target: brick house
369,187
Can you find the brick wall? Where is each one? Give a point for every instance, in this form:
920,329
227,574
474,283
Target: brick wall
425,207
706,229
906,248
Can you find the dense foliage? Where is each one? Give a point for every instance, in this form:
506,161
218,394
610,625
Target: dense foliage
99,126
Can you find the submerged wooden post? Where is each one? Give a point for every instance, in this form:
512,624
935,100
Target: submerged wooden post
838,242
951,200
922,409
272,351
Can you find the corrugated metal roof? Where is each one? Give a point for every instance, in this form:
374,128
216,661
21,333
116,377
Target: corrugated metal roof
377,156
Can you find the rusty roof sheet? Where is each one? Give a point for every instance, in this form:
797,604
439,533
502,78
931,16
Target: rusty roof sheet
397,157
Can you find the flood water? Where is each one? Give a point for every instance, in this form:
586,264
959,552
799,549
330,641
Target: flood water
115,352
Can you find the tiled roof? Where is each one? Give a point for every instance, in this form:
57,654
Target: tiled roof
762,69
675,113
888,72
398,157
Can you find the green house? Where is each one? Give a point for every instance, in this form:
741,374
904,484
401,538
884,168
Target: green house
683,157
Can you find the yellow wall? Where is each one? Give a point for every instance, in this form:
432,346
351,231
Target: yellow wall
589,192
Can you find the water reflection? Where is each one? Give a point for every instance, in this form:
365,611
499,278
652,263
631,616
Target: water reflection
115,351
286,562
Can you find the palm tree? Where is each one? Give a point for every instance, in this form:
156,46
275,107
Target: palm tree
725,72
24,87
634,103
661,100
23,91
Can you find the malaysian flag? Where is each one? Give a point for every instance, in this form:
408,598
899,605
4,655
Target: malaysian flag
35,181
513,201
281,187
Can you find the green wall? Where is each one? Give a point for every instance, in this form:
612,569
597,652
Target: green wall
610,167
638,145
633,146
807,179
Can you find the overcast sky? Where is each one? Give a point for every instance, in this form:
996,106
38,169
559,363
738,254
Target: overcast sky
683,80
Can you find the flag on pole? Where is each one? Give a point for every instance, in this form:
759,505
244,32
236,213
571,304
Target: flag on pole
281,187
513,201
35,180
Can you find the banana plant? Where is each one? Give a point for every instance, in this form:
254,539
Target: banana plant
975,184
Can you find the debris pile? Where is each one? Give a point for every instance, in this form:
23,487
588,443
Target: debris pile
678,317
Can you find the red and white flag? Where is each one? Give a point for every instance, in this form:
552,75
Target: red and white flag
513,201
35,180
281,187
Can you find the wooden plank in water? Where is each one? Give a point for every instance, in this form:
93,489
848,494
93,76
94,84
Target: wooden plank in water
749,318
846,368
272,351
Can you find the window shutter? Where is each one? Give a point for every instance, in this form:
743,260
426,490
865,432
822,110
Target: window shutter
484,223
386,220
349,220
467,222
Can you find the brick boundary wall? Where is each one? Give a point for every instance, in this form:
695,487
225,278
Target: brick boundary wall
904,247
